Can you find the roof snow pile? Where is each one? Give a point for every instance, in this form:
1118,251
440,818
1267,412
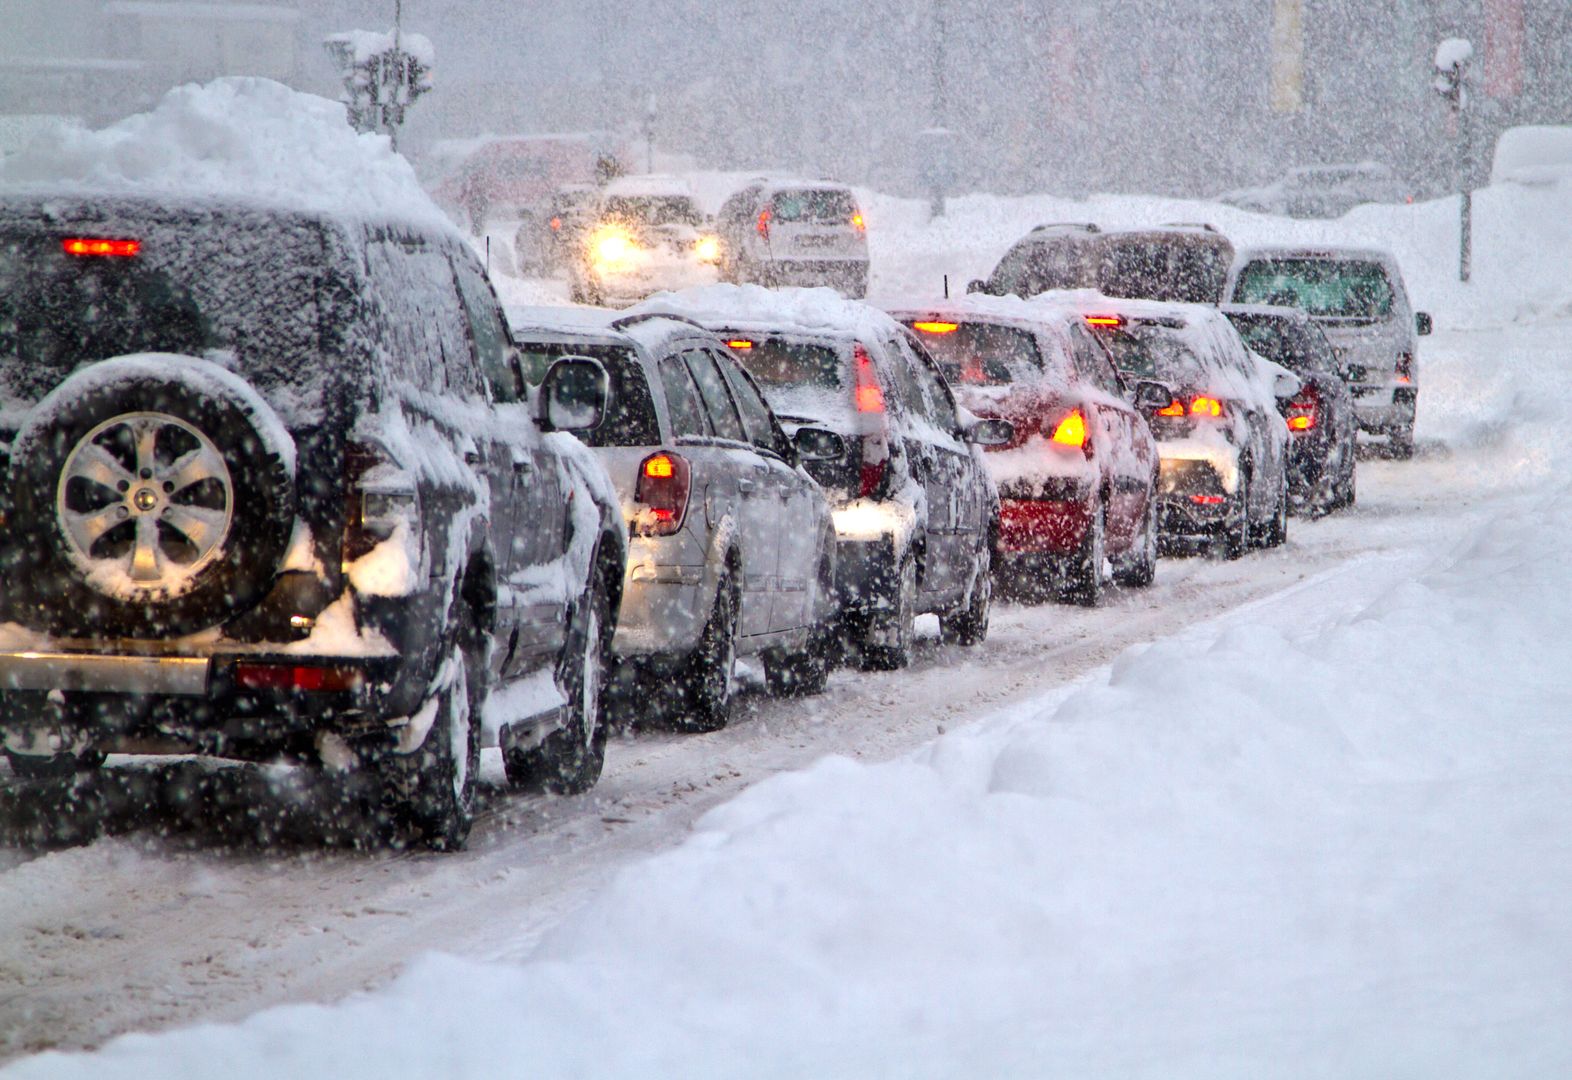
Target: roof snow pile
815,310
244,138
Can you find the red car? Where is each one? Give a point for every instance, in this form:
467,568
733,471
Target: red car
1076,482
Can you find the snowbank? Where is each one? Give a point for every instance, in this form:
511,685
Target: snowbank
247,138
1316,844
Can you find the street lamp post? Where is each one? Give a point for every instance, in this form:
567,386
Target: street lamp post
1453,58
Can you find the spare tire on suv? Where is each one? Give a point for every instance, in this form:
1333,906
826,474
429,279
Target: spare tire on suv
154,496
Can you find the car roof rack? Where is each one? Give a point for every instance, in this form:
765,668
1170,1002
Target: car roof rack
1080,226
1204,226
645,316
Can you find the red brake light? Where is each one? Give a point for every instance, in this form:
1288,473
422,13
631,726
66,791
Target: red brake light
1202,405
308,678
1104,320
124,249
936,327
1302,412
740,343
556,223
763,224
1206,500
870,395
1173,408
1405,368
1071,430
663,485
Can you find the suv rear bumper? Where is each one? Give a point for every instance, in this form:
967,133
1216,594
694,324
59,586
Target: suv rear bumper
240,703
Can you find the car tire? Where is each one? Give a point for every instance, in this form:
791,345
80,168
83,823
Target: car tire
1400,443
1139,568
1081,574
433,787
1276,532
570,759
1348,493
895,628
709,677
968,624
122,420
1236,530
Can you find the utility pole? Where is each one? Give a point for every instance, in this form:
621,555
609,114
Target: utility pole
1453,59
936,144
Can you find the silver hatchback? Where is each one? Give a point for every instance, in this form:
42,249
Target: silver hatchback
732,547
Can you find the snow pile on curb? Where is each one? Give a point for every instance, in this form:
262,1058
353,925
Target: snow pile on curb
1340,851
250,138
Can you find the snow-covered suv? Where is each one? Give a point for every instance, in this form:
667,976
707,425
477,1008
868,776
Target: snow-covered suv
256,501
795,232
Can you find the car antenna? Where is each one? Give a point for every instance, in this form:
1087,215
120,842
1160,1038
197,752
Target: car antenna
488,254
946,286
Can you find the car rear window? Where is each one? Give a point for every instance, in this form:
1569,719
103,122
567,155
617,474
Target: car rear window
1156,352
777,362
1301,349
1339,288
815,206
1178,270
980,353
630,414
250,286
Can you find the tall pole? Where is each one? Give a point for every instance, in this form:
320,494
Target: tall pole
398,58
940,112
1465,245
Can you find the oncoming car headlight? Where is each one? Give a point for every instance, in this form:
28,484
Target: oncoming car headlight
707,249
611,246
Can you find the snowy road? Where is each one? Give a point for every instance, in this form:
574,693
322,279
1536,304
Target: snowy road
139,932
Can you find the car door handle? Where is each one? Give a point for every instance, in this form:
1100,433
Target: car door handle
745,486
522,466
472,457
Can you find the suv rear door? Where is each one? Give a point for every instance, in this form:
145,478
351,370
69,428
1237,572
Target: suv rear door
814,223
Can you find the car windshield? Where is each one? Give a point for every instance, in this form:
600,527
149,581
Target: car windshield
1337,288
629,418
653,209
979,353
248,287
817,206
1299,348
778,362
1180,269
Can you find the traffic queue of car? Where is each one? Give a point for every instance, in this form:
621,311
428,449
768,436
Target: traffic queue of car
520,531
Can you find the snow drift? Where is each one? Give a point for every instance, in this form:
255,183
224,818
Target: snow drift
239,137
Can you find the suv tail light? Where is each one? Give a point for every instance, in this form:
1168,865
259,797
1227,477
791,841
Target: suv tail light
870,395
1405,368
763,224
1201,405
123,249
1071,431
664,483
1303,412
379,495
306,678
858,223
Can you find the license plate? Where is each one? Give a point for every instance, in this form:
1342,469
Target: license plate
1366,391
816,241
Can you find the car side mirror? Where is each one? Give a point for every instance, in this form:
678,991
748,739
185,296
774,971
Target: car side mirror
976,285
1152,395
818,444
1422,322
990,433
573,395
1285,384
